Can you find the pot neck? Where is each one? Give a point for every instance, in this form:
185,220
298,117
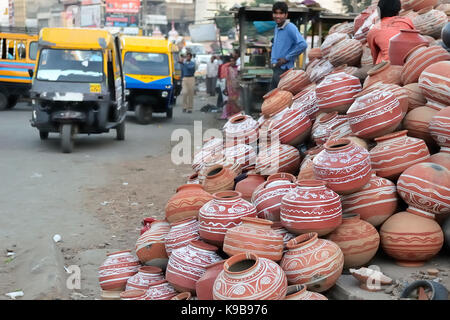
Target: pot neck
395,135
302,241
190,186
229,263
296,290
351,218
257,222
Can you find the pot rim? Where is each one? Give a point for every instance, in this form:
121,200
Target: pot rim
392,135
215,263
258,221
282,176
203,245
302,240
413,49
383,65
329,116
132,293
341,143
238,258
227,195
150,269
299,289
186,295
189,185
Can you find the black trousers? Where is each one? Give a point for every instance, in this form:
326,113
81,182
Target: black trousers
277,72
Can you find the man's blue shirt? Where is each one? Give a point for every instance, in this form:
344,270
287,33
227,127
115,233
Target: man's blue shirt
187,69
288,43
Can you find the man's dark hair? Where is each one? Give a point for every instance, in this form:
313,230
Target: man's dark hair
189,54
280,5
389,8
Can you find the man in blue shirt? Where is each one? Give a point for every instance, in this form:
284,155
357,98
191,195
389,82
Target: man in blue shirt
188,82
288,43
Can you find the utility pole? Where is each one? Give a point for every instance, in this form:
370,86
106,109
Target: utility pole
143,19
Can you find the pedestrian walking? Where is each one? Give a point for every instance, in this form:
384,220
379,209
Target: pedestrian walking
188,82
288,43
212,69
232,90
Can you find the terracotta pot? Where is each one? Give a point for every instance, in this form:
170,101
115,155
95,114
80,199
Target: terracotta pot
318,69
249,184
278,228
150,246
267,197
360,18
181,234
343,27
299,292
417,122
183,296
336,92
161,290
322,127
204,285
343,165
358,240
376,202
445,35
278,158
306,167
115,271
411,14
425,187
306,101
341,130
193,179
366,57
442,158
347,51
187,264
430,22
219,178
316,263
223,212
294,81
145,276
254,235
415,96
311,207
314,53
435,83
242,154
330,41
212,151
293,128
402,43
411,239
384,72
241,129
375,114
133,294
395,152
275,101
418,59
246,276
146,222
417,5
400,93
110,295
186,202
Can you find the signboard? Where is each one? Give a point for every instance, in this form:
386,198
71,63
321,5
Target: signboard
123,6
203,32
91,16
121,20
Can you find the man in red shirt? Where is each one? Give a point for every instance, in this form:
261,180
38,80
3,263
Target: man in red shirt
389,26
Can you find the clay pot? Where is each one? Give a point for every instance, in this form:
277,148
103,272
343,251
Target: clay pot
249,184
278,158
411,239
343,27
246,276
211,152
411,14
445,35
223,212
366,58
311,207
306,167
370,279
145,276
267,197
425,187
313,262
241,129
133,294
275,101
278,228
314,53
181,234
415,96
186,202
375,114
161,290
293,81
442,158
376,202
343,165
115,271
242,154
146,222
341,130
418,59
358,240
322,127
218,178
299,292
439,127
183,296
347,51
336,92
353,71
204,285
150,246
430,22
187,264
417,5
193,179
435,83
293,128
330,41
417,122
434,290
384,72
402,43
396,152
360,18
110,295
306,101
400,93
318,69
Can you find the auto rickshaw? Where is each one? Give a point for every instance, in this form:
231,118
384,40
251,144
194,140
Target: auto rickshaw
78,85
149,75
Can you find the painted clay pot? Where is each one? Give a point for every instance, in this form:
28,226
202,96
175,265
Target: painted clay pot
150,246
430,22
323,126
366,58
110,294
267,197
311,207
314,53
376,202
306,167
360,18
247,186
415,96
306,101
318,69
183,296
347,51
418,59
442,158
330,41
181,234
417,5
417,122
146,222
133,294
278,158
193,179
384,72
336,92
402,43
204,285
395,152
435,83
188,199
375,114
254,235
115,271
145,276
411,239
223,212
246,276
275,101
343,165
242,154
439,127
358,240
299,292
241,129
293,127
219,178
433,290
400,93
313,262
160,290
293,81
425,187
341,129
343,27
350,70
278,228
205,156
187,264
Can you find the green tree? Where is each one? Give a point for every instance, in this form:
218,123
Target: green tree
355,5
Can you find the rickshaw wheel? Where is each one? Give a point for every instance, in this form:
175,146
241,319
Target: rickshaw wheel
169,113
144,114
3,101
120,131
43,135
66,138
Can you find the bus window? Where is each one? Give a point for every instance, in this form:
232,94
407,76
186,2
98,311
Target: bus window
33,50
21,50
